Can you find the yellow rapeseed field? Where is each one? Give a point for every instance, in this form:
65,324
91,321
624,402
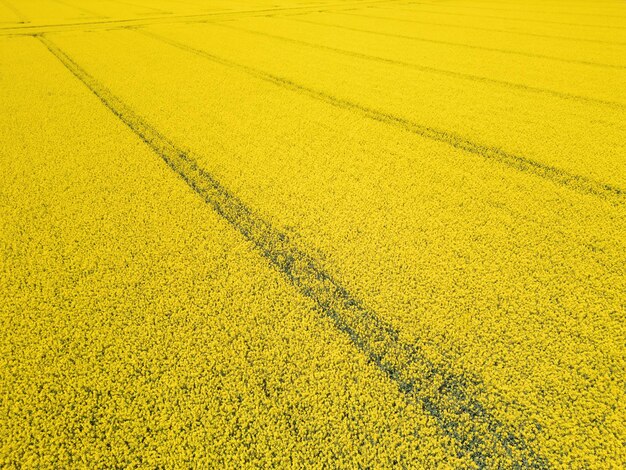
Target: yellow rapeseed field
313,234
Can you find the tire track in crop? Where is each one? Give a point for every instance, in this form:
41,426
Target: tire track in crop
18,14
455,401
434,70
612,194
477,28
452,43
38,29
549,12
525,20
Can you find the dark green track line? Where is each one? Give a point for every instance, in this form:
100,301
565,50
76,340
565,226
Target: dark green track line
524,20
454,44
455,401
434,70
579,183
477,28
544,12
39,29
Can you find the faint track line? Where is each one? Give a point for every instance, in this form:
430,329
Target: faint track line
525,20
456,44
449,398
578,183
550,12
37,29
184,18
427,69
18,14
478,28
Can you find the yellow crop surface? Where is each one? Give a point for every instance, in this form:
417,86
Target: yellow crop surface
321,234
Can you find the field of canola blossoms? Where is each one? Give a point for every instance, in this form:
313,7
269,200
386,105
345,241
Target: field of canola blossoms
312,234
